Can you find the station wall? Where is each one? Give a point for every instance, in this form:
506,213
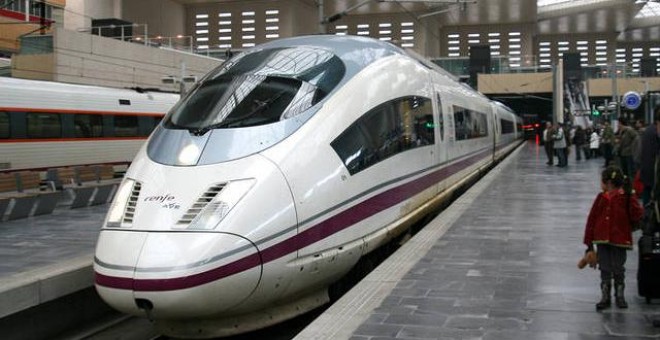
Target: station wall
82,58
531,83
163,17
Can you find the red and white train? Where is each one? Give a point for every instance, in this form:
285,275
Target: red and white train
49,124
281,169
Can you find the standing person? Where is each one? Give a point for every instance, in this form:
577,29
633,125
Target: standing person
650,158
609,228
626,147
650,148
548,143
560,145
637,153
607,143
578,141
594,143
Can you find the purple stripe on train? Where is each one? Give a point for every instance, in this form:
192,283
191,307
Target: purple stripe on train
324,229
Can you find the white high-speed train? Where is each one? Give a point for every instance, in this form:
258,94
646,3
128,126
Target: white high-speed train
48,124
278,172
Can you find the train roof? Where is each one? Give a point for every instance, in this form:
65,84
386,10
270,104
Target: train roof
357,52
66,87
34,94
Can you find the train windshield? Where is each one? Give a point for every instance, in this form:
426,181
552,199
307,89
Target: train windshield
258,88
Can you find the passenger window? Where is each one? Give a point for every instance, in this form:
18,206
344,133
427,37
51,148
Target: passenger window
469,124
354,149
126,126
88,126
44,125
147,124
388,129
156,121
4,125
507,126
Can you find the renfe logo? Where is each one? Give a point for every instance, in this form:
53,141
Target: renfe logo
159,199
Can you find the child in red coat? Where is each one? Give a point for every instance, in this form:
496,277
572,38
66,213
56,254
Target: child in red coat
609,228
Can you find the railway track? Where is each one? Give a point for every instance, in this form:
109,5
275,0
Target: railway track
124,327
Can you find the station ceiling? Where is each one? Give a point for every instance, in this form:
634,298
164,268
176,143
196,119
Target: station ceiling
630,20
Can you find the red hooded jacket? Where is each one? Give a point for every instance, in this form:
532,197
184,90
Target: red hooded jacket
608,221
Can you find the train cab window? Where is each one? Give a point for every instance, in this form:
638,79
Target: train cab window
44,125
507,126
258,88
126,126
386,130
4,125
469,124
88,126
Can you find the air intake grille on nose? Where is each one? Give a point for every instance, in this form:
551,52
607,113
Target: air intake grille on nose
132,203
200,204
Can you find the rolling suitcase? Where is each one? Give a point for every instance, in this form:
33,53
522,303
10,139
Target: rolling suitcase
648,272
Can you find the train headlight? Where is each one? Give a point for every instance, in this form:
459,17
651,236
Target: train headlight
221,204
121,203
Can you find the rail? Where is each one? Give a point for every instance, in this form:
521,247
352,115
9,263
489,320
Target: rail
139,34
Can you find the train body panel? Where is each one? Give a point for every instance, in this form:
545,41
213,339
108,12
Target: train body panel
172,203
329,184
507,128
264,224
174,275
42,154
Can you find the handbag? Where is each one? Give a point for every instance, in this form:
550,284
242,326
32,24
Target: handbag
649,244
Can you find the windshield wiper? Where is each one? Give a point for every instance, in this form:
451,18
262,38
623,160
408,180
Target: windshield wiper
260,106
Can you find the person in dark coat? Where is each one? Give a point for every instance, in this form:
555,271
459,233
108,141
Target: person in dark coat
560,144
649,151
607,143
626,147
549,142
578,140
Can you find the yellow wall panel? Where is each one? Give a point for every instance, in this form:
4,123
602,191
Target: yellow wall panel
58,3
38,66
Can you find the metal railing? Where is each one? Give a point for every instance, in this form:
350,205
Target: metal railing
138,33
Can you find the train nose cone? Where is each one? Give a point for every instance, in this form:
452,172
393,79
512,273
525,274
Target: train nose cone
177,275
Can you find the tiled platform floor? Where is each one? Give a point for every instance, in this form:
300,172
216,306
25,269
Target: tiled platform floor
46,257
500,263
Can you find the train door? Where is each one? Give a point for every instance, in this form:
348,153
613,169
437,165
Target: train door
497,130
440,128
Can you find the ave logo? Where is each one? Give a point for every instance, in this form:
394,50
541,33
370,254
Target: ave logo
166,201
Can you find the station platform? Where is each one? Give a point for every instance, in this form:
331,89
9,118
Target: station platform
46,257
499,263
